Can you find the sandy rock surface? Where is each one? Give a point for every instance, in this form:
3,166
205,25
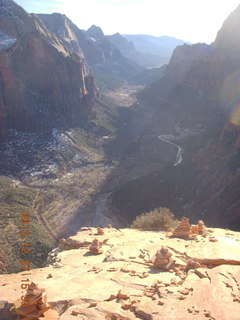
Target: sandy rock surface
122,282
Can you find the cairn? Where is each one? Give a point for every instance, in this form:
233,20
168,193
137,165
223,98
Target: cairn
96,247
162,260
36,304
100,231
183,230
194,229
201,227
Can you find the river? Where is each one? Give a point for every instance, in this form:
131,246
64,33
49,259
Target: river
168,138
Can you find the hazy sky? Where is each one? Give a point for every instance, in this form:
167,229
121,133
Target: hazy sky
190,20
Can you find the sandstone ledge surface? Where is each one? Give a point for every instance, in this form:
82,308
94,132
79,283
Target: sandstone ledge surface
122,283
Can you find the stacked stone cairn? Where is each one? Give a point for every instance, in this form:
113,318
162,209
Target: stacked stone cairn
100,231
183,230
186,231
36,304
201,227
96,247
163,259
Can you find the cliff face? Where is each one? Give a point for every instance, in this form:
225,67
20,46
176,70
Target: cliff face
42,84
73,38
103,57
187,57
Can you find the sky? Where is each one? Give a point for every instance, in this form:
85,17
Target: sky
190,20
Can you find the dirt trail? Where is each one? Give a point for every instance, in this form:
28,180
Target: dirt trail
43,222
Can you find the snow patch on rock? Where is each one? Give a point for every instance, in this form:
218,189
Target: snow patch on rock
6,41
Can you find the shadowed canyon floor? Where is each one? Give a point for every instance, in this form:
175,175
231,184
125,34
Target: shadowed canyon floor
122,282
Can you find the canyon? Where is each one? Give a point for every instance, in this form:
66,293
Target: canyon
89,140
83,143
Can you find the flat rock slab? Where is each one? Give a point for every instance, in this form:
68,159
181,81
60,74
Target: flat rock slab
207,293
224,251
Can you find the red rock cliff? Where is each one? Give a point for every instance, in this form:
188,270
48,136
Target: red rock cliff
42,83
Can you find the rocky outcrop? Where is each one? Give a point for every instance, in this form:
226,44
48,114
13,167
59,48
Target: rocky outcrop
186,57
43,85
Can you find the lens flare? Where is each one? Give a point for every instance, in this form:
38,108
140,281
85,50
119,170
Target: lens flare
230,93
230,97
235,116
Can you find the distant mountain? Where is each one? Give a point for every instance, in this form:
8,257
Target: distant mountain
95,33
159,46
128,49
117,66
43,85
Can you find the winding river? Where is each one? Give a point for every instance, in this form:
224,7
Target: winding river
169,138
